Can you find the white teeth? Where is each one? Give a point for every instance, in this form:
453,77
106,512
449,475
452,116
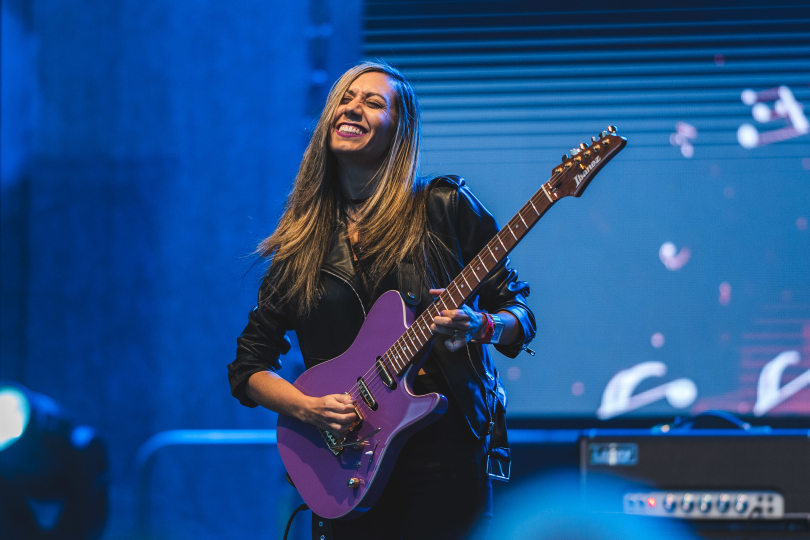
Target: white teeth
350,129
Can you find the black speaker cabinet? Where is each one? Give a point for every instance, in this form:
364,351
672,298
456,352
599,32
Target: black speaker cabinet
705,475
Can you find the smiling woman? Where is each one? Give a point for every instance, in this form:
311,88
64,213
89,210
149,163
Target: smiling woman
359,222
362,132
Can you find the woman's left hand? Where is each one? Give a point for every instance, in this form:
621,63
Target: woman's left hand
461,324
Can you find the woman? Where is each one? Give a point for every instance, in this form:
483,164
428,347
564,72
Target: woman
359,222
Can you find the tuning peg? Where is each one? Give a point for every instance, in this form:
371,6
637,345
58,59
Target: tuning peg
612,129
594,139
603,134
583,146
574,151
565,157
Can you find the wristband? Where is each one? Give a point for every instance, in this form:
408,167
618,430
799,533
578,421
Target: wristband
489,331
498,330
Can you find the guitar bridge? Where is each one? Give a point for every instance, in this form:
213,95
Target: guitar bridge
334,444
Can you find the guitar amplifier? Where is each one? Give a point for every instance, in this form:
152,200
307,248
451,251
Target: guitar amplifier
703,474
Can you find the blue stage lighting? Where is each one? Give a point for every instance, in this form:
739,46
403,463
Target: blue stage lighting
53,474
15,411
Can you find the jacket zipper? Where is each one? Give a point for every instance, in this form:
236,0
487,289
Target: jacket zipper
490,411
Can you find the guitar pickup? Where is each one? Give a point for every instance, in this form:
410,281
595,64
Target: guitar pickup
365,393
385,375
359,421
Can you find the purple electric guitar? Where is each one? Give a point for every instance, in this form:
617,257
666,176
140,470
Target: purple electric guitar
341,478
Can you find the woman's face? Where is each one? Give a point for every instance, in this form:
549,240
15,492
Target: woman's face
364,122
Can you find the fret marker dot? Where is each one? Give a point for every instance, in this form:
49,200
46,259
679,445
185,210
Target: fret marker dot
496,249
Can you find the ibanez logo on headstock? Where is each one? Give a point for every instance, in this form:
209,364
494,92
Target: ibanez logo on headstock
580,177
580,165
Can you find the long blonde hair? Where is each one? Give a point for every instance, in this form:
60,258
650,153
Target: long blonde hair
393,228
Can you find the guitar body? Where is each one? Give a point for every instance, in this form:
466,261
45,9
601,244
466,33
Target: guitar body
322,477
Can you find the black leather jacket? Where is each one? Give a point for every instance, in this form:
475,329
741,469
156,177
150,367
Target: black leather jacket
461,222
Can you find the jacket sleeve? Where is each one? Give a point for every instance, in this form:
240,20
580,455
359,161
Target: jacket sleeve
501,291
259,346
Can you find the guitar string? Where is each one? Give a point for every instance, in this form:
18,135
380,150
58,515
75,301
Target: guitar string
355,392
376,382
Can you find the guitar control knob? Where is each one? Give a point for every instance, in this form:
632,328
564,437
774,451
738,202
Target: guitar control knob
741,504
353,483
688,502
723,503
705,503
670,502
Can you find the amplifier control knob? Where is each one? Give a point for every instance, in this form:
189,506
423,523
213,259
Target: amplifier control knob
705,503
741,504
723,503
688,502
670,502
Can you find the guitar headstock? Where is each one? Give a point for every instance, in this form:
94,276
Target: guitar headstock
580,165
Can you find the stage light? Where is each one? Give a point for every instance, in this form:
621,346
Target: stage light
14,415
53,474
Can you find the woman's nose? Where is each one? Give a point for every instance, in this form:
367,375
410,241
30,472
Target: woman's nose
353,108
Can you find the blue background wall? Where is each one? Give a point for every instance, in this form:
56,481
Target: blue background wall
147,146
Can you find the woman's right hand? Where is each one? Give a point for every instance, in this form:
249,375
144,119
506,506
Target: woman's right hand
333,413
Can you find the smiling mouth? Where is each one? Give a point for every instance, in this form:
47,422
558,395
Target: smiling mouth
349,130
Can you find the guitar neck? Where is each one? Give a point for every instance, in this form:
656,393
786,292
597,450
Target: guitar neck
403,352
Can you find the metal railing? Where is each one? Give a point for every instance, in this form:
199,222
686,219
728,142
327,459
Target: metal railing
267,437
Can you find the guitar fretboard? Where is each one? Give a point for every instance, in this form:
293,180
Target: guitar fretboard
403,352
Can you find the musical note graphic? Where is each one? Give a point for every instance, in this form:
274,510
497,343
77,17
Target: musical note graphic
673,260
725,294
785,107
618,397
769,392
683,137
